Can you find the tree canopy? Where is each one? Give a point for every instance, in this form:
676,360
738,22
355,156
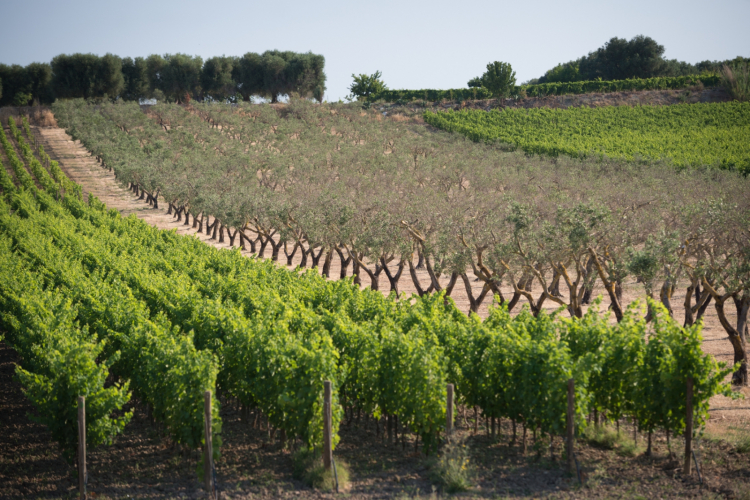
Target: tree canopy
217,79
24,85
366,85
275,73
135,75
178,76
87,75
500,79
169,77
619,59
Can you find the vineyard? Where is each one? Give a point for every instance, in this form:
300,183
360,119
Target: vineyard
385,197
88,295
689,135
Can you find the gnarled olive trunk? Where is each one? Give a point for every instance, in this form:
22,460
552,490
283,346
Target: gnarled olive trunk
614,288
554,288
242,239
393,278
344,262
740,377
276,249
523,283
374,275
743,305
420,262
413,273
290,256
316,258
702,299
327,264
305,255
263,244
355,272
474,302
231,235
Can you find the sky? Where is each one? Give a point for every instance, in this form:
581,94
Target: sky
436,44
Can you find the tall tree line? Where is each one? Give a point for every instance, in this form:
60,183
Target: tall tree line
619,59
171,77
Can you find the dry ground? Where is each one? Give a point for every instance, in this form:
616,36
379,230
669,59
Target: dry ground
143,464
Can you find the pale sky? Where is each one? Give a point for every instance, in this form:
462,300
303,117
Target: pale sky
436,44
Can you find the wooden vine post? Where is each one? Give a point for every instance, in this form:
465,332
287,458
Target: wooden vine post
570,426
449,412
208,455
82,447
688,426
327,434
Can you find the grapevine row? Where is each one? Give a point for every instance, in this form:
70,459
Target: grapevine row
687,134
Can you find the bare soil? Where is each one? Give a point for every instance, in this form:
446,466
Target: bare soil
144,464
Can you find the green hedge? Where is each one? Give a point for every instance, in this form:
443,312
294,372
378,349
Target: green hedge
556,88
432,95
585,87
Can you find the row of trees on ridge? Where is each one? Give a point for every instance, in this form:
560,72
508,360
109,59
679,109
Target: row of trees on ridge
171,77
621,59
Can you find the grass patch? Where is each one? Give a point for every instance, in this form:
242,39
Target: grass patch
743,444
308,467
609,439
738,436
736,79
453,470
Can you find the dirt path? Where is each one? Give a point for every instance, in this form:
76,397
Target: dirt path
82,168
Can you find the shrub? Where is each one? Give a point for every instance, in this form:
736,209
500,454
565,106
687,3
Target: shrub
21,99
308,467
736,80
365,86
453,470
500,79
